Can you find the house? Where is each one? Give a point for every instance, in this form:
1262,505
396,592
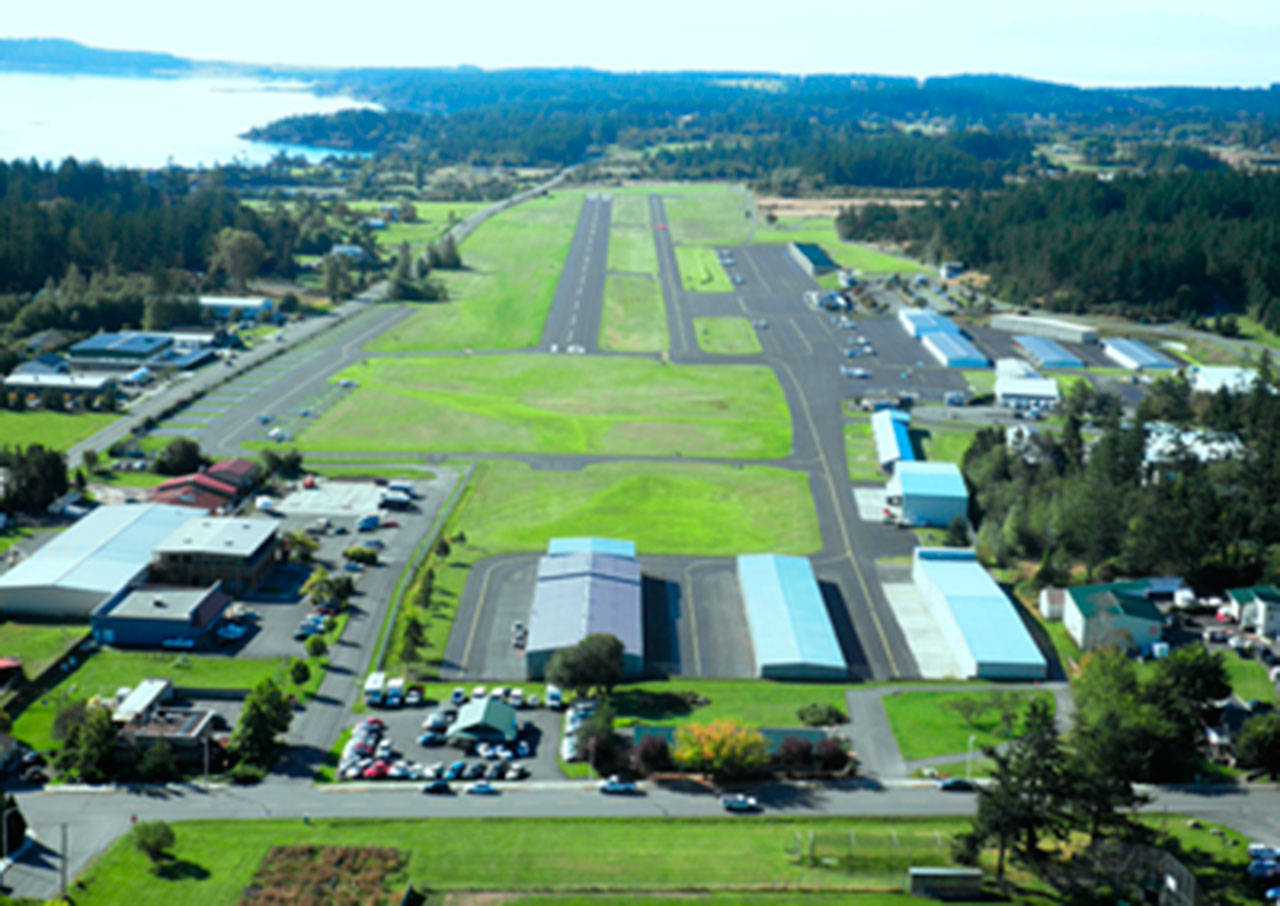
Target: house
1115,614
949,270
353,253
1257,608
483,720
196,490
242,474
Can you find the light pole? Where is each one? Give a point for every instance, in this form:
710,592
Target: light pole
968,759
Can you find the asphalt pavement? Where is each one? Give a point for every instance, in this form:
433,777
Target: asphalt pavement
573,324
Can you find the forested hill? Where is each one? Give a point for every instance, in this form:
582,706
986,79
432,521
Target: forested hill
56,55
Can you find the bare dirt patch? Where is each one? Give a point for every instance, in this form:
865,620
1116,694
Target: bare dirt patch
326,876
826,207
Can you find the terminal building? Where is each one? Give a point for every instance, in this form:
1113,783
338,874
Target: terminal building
1049,328
928,493
890,429
120,351
586,586
791,632
981,626
1136,355
1046,353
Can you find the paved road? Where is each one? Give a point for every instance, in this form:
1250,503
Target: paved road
574,320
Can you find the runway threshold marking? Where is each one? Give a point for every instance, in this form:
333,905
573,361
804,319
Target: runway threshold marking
844,528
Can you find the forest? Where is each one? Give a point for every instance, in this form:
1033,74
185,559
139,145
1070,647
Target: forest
1185,244
1101,504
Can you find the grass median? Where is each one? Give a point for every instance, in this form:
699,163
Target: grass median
633,318
927,724
701,271
727,336
556,404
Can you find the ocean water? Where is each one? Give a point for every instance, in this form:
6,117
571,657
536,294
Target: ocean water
144,122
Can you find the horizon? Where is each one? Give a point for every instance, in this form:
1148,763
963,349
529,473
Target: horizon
1122,44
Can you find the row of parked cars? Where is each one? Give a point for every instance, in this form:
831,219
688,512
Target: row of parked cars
1264,865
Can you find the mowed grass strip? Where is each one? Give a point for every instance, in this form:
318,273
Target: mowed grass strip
701,271
727,336
633,318
941,445
860,451
584,854
556,404
1249,679
925,724
631,247
708,215
500,301
55,430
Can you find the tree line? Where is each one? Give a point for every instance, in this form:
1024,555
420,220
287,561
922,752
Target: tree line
1175,245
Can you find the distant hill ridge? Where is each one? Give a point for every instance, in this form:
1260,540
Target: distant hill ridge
63,56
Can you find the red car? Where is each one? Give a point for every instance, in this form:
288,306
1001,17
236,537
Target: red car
375,771
390,523
375,722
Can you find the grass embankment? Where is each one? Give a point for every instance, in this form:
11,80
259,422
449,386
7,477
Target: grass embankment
1249,679
727,336
701,270
666,509
588,855
860,451
822,231
631,248
633,318
925,725
55,430
556,404
107,670
501,299
38,645
943,445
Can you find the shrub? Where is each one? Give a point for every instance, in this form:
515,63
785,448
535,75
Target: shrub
299,672
152,839
795,751
652,755
316,647
723,747
831,754
818,714
247,774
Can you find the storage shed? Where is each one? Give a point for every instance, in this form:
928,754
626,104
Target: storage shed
953,350
158,616
106,550
1136,355
981,625
929,493
582,593
791,632
1046,353
891,432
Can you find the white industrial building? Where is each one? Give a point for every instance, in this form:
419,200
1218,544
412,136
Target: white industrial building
890,429
1050,328
1212,378
1019,386
104,552
1136,355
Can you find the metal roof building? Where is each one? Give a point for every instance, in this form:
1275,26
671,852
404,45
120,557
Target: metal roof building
953,350
243,307
930,493
1135,355
981,625
128,347
582,593
891,433
611,546
96,557
791,632
1212,378
1051,328
811,257
158,616
1046,353
919,321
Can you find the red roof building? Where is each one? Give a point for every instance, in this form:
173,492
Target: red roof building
195,490
241,473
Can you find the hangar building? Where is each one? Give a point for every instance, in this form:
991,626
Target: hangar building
1049,328
105,551
157,616
929,493
953,350
1135,355
811,257
920,321
791,632
1212,378
580,592
1019,386
980,624
890,431
1045,353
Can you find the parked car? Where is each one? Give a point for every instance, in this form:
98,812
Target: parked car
482,788
739,802
455,770
955,785
513,770
431,738
475,771
413,697
615,787
477,694
437,788
459,695
516,699
495,772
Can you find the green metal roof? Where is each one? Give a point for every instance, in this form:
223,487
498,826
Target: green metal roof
1125,598
1268,593
483,719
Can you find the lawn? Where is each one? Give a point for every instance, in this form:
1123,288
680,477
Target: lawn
981,379
942,445
925,726
501,298
556,404
701,271
588,855
822,231
631,247
760,703
1249,679
727,336
381,470
109,669
57,430
860,451
633,318
38,645
11,536
707,214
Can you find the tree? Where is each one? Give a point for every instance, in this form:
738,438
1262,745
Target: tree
821,714
180,456
89,751
1257,745
89,459
832,755
299,672
239,253
795,751
442,548
290,303
652,755
52,401
266,714
319,586
337,277
302,547
157,763
723,748
317,646
15,826
153,839
414,638
594,661
957,533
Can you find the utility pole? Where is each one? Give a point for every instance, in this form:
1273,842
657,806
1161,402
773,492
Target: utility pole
62,863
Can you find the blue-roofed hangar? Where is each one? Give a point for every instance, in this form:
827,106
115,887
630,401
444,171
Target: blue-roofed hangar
1136,355
1046,353
95,558
986,635
929,493
791,631
953,350
586,586
891,433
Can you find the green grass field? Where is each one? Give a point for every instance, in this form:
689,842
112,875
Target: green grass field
1249,679
631,250
925,726
216,859
980,379
387,470
107,670
556,404
57,430
821,230
942,445
633,318
727,336
701,271
760,703
501,299
860,451
38,645
706,214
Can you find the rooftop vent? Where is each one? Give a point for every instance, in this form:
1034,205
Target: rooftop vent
158,602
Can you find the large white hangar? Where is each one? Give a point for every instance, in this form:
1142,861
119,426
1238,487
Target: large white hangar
580,592
103,553
791,632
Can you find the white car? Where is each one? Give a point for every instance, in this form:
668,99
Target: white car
516,699
477,693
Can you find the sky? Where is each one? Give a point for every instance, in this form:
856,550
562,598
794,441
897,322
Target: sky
1120,42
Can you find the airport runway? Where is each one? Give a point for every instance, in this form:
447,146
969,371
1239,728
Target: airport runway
573,324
